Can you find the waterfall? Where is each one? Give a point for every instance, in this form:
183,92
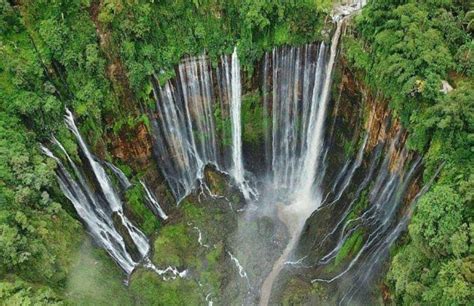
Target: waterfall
266,111
124,182
101,210
301,94
233,96
294,78
198,121
155,206
300,99
236,120
96,217
107,189
385,198
183,129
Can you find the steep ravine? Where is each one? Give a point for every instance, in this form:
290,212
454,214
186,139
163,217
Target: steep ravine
236,152
361,180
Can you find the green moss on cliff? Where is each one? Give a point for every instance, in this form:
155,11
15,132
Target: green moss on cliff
360,205
298,292
195,241
141,213
175,246
253,119
351,246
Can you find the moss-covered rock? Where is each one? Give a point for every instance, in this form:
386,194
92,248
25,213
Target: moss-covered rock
299,292
176,246
141,214
196,239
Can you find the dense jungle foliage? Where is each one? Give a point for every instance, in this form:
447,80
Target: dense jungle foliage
96,57
405,49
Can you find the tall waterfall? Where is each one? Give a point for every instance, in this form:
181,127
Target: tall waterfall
296,84
101,211
184,133
184,128
232,90
300,99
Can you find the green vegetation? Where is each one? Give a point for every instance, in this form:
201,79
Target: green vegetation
18,292
436,266
37,236
142,214
351,246
153,37
51,60
298,292
172,245
178,245
359,206
149,289
253,119
405,50
223,125
349,148
95,57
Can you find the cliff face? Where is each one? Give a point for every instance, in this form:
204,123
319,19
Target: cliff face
370,177
132,146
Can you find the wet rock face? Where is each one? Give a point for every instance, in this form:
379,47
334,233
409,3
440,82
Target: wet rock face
370,177
133,146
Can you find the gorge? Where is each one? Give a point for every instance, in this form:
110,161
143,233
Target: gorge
254,174
297,86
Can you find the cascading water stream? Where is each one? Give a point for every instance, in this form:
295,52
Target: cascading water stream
102,210
98,212
362,274
124,182
233,92
108,191
237,164
155,206
184,129
97,218
296,162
